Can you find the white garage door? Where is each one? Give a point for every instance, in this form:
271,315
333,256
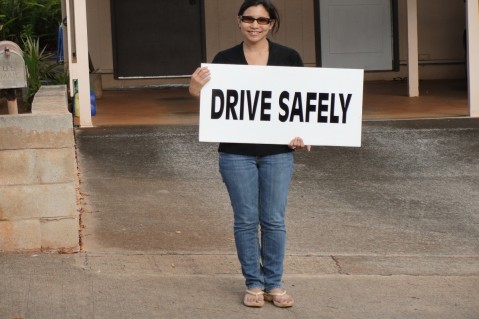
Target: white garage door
357,34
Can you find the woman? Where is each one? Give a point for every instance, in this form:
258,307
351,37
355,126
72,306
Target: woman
257,176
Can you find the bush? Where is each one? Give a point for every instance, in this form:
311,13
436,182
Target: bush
34,18
33,25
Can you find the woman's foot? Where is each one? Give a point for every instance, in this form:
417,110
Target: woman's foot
279,298
254,297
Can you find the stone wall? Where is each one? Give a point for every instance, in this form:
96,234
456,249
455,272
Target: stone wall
38,177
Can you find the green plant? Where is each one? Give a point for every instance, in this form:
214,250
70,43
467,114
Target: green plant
59,76
36,62
36,18
29,23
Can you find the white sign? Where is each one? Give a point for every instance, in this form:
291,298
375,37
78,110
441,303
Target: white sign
272,105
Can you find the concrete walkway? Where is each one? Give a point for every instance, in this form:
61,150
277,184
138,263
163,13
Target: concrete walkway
388,230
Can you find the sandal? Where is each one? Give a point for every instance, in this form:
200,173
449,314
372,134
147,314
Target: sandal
279,302
255,303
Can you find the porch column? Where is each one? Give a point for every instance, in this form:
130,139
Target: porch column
472,14
413,51
68,44
78,56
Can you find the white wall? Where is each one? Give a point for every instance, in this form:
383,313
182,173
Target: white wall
441,25
99,35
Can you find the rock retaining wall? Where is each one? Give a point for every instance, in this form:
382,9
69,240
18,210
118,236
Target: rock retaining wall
38,177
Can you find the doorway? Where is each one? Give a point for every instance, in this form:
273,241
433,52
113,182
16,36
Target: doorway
157,38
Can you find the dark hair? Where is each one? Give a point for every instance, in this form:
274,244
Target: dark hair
268,5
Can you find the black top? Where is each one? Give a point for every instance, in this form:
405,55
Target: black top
279,55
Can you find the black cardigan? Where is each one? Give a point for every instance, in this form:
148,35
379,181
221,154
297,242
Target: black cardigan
279,55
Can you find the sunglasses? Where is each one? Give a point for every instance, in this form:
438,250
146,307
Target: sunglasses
260,20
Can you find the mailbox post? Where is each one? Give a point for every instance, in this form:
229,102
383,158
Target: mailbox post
13,74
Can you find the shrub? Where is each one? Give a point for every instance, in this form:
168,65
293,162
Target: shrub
35,18
33,25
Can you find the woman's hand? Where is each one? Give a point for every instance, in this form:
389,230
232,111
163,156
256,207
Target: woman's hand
297,142
198,79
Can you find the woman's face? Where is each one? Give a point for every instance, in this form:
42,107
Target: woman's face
254,32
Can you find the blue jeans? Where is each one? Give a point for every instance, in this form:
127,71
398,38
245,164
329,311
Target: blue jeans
258,189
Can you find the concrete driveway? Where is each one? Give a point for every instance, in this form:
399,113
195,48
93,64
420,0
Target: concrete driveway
388,230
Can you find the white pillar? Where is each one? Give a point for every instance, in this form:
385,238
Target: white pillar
472,11
413,51
83,69
70,29
76,54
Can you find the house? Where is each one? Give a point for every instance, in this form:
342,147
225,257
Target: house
155,42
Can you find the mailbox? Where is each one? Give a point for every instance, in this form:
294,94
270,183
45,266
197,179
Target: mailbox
13,74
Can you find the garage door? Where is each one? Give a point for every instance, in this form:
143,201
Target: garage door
157,38
358,34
